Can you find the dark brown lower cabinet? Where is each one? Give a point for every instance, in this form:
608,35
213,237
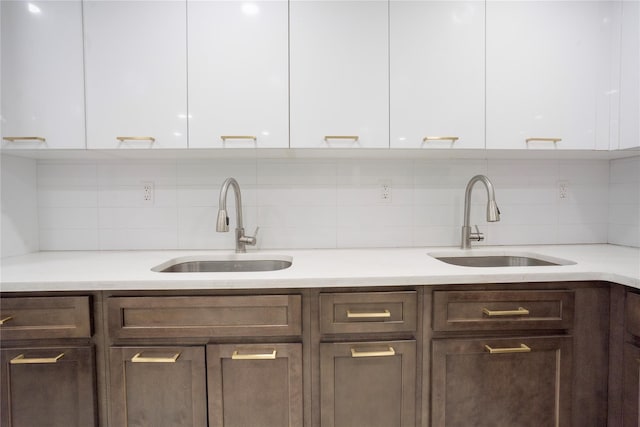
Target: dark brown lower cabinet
51,386
631,386
158,387
515,382
368,384
255,385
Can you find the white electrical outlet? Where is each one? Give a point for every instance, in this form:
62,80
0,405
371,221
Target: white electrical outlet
563,190
147,193
385,191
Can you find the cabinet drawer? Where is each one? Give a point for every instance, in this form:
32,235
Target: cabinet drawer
208,316
632,313
502,310
44,317
364,312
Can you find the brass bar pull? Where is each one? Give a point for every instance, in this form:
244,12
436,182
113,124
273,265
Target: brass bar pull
521,311
24,138
389,352
21,360
5,320
352,137
554,140
139,358
260,356
522,349
135,138
367,315
440,138
225,137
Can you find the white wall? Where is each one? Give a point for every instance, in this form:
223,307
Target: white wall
317,203
624,201
19,205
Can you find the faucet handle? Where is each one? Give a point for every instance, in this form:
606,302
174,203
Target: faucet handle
250,240
477,236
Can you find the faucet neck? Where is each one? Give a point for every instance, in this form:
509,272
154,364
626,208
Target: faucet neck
222,205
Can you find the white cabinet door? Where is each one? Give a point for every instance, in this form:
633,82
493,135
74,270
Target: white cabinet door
238,74
136,73
548,73
630,76
339,71
437,74
42,81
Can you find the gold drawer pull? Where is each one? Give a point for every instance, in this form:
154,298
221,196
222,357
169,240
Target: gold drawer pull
367,315
521,311
225,137
5,320
21,360
522,349
554,140
440,138
389,352
352,137
24,138
260,356
138,358
135,138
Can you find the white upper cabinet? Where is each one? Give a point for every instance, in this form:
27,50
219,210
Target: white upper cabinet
42,81
630,76
548,74
238,74
437,74
136,73
339,73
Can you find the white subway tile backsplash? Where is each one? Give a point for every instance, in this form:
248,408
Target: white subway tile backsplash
68,218
333,203
69,239
624,202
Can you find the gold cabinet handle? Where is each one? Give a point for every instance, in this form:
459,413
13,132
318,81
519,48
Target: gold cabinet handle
554,140
5,320
138,358
522,349
135,138
440,138
260,356
21,360
24,138
389,352
368,315
352,137
521,311
226,137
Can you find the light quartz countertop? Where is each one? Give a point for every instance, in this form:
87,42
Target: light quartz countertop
131,270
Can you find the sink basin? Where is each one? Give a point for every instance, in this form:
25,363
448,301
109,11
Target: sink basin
495,259
234,263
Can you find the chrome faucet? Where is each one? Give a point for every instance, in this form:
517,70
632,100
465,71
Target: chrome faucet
493,213
222,224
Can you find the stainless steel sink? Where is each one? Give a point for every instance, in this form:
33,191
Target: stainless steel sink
481,259
223,265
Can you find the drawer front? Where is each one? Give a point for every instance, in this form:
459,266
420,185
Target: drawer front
502,310
208,316
343,313
632,313
26,318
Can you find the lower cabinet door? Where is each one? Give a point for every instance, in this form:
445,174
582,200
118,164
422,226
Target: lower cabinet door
502,382
51,387
368,384
631,386
157,387
255,385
